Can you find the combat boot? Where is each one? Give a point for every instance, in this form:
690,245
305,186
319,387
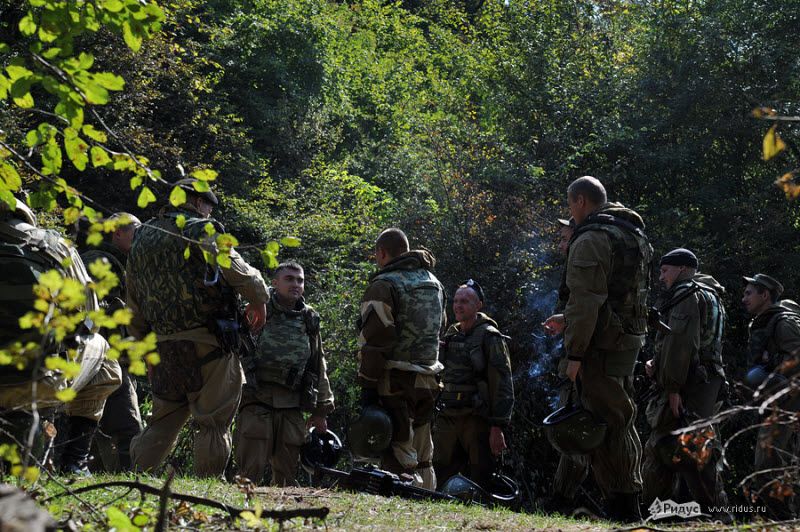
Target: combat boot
75,456
624,507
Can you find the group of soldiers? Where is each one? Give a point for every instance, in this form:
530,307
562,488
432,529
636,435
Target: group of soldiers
604,318
447,390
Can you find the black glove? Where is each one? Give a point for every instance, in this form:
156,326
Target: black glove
369,397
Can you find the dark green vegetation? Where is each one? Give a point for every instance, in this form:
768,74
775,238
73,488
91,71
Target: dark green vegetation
463,122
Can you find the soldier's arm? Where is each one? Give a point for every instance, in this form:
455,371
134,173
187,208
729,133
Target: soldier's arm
138,327
680,345
245,279
378,334
501,386
588,269
787,336
325,403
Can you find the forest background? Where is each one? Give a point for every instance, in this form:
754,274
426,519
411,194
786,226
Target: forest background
461,122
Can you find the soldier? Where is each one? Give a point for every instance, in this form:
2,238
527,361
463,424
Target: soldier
773,346
687,368
27,252
572,470
478,394
291,377
402,316
121,419
605,325
181,300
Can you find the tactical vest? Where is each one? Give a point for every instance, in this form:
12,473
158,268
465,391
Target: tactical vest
418,316
465,365
628,282
284,347
174,293
762,332
712,319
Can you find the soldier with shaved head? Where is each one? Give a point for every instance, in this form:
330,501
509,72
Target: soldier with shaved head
402,316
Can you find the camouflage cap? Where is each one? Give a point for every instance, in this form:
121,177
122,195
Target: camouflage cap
187,184
770,283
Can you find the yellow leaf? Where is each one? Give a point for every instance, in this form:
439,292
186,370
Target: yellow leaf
773,144
153,359
66,395
138,368
146,197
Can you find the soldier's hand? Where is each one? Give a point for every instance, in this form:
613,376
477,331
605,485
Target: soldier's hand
256,315
320,424
675,404
573,367
497,440
554,324
650,367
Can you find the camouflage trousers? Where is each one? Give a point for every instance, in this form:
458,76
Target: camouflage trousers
705,485
461,445
616,463
212,407
410,399
269,436
88,403
572,470
120,423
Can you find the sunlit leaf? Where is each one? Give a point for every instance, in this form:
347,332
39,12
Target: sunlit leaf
773,144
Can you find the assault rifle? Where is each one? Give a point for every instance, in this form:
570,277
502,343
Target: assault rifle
378,482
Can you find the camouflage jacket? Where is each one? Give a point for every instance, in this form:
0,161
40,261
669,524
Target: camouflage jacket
694,328
478,360
286,349
383,328
775,335
608,270
169,293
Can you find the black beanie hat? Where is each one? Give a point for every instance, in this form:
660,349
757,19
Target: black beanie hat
680,257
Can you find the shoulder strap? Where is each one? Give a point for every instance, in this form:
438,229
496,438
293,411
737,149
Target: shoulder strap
680,297
607,219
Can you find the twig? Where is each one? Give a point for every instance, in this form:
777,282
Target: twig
234,512
163,500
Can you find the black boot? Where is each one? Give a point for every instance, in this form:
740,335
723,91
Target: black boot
624,508
75,456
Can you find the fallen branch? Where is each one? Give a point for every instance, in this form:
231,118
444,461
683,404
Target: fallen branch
277,515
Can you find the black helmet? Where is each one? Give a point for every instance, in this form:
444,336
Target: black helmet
187,184
464,489
573,430
371,433
503,490
320,449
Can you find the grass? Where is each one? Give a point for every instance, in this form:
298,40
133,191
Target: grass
348,511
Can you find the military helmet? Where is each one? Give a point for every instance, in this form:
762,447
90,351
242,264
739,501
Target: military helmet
758,374
464,489
320,450
503,490
371,433
187,184
21,210
573,430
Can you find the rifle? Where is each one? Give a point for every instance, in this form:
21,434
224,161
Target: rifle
378,482
234,335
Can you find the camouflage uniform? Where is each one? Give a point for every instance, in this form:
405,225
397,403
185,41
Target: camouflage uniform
18,235
121,419
292,377
179,299
688,361
608,272
775,339
402,315
478,393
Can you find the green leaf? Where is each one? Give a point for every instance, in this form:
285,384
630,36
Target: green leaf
273,247
51,53
66,395
99,157
204,174
114,6
94,134
21,93
7,197
10,176
4,48
110,81
136,181
146,197
85,61
76,149
180,221
131,36
201,186
33,138
27,26
4,86
95,93
16,72
118,520
177,197
290,241
209,229
187,252
51,158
